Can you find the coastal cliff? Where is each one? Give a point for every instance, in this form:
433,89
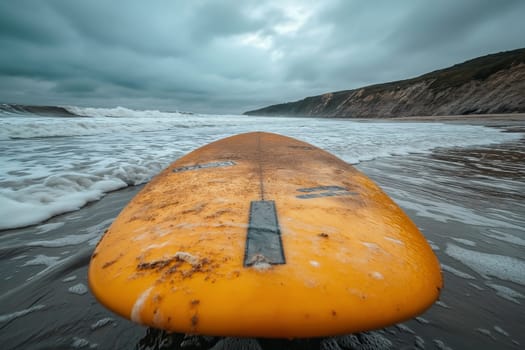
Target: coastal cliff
490,84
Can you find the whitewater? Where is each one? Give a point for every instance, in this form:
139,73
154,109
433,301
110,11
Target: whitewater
55,164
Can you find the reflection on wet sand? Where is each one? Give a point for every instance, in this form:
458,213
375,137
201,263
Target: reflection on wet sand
470,204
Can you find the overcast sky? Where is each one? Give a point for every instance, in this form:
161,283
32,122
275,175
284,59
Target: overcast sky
232,56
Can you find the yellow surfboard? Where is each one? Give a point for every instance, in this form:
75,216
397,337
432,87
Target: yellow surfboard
263,235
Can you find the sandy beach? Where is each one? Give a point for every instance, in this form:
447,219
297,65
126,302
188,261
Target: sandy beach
468,202
472,183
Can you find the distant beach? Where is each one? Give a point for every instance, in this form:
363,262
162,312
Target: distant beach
466,194
506,120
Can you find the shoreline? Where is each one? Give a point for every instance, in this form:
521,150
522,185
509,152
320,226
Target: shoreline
463,119
513,123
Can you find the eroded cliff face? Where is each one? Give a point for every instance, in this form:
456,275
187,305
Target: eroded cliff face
502,92
438,93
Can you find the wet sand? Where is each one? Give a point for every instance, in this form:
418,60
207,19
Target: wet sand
469,203
476,119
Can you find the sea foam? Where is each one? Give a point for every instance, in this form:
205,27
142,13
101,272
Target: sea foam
52,165
35,203
9,317
490,265
120,112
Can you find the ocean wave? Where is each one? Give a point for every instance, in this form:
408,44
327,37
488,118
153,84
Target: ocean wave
121,112
47,170
77,111
44,111
25,122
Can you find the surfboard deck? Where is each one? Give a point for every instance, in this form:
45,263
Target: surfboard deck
264,235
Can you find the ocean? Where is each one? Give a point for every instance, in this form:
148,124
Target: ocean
66,172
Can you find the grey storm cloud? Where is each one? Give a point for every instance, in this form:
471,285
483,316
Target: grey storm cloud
230,56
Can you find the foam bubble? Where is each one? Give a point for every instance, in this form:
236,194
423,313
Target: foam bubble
442,304
464,241
405,328
505,237
49,227
506,293
486,332
501,331
440,344
81,343
40,259
102,323
64,241
422,320
445,212
69,279
17,314
476,286
419,342
490,265
456,272
79,289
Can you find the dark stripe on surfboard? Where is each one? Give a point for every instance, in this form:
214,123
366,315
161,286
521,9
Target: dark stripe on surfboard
263,241
204,166
321,188
323,191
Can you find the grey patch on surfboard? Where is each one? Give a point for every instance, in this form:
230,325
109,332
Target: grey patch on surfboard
204,166
323,191
263,241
